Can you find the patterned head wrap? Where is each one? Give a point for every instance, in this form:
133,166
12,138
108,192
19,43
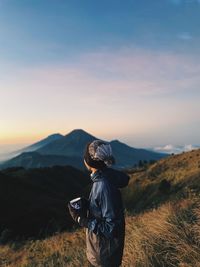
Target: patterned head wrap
101,151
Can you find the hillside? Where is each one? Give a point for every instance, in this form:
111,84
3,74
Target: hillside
172,178
162,222
34,202
29,160
168,236
69,149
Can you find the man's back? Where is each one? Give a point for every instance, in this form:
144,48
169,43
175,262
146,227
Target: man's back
106,228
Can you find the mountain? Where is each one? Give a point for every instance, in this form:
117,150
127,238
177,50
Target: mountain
72,144
72,147
36,160
6,156
41,143
127,156
34,201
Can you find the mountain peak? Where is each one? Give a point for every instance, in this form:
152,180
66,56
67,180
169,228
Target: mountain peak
78,132
115,141
54,135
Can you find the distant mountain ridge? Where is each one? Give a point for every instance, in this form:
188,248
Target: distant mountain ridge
7,156
41,143
72,144
35,160
68,150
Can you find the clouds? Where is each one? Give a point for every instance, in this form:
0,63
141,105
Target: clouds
129,71
119,74
143,96
185,36
145,71
178,2
175,149
134,66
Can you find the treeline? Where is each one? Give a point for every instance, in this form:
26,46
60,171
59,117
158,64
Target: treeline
34,202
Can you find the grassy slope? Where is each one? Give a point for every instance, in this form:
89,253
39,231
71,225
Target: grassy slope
33,202
145,189
168,234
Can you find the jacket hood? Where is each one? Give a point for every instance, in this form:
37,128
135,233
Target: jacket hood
118,178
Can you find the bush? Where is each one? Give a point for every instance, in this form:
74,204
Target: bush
164,186
5,236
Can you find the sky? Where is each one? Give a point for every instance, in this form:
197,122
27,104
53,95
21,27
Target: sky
126,70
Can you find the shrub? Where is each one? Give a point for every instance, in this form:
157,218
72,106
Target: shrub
164,186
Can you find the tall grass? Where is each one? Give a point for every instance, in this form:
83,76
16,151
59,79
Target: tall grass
165,237
66,249
168,236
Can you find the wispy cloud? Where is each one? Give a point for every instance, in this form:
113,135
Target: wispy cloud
132,90
129,71
143,71
185,36
175,149
178,2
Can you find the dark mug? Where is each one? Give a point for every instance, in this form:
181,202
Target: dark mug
80,204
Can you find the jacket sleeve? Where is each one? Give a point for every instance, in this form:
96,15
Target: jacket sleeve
108,223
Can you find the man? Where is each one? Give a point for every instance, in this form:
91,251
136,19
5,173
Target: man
105,223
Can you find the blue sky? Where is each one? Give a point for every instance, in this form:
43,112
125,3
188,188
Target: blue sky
46,31
125,70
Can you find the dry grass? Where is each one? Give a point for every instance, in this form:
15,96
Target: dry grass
181,172
167,236
176,168
63,249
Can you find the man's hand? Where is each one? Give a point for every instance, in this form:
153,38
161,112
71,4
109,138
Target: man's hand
73,213
83,221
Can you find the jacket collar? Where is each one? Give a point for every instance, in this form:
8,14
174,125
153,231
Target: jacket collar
96,175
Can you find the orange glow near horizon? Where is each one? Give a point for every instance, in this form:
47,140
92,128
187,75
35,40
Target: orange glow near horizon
13,138
10,139
22,138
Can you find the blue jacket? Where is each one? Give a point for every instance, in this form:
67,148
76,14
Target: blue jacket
106,211
106,227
